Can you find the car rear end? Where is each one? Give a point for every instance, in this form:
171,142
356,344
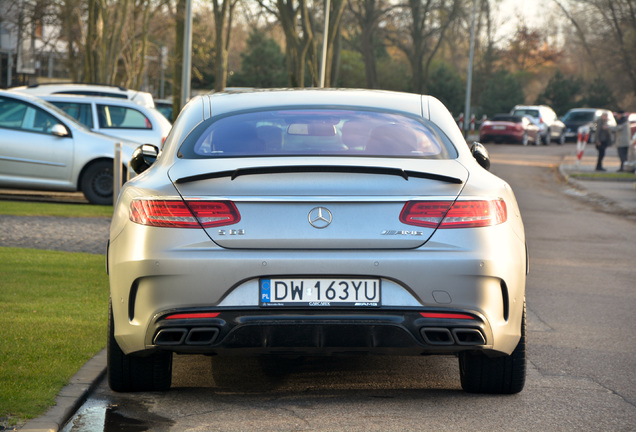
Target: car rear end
322,242
503,129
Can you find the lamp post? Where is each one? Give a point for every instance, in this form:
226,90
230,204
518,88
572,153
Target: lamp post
325,37
187,54
469,79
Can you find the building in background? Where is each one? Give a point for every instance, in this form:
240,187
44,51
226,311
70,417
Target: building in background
26,50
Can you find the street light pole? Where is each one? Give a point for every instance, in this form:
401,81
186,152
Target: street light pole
325,37
469,79
187,55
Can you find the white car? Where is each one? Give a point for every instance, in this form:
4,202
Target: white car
42,148
551,128
115,117
140,97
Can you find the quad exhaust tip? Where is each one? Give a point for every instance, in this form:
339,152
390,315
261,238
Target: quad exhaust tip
456,336
182,336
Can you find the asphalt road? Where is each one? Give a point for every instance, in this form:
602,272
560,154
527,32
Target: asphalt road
581,348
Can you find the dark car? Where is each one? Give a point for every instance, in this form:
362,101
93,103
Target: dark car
509,128
578,117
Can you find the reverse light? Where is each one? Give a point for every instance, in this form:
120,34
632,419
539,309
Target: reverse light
183,214
444,315
454,214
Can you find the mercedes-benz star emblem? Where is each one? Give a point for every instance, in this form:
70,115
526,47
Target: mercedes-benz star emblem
320,217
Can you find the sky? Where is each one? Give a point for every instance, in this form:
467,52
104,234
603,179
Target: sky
532,10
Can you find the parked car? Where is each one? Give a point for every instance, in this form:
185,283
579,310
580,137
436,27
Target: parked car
164,106
630,164
316,222
578,117
41,89
551,128
115,117
632,123
509,128
41,147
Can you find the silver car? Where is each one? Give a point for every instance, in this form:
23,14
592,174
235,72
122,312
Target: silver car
316,222
120,118
43,148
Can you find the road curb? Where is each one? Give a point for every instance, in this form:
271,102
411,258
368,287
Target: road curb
71,397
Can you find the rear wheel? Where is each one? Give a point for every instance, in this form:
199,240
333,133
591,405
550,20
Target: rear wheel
547,138
497,375
562,138
97,183
130,373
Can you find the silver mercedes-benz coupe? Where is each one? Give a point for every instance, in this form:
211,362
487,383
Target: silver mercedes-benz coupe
316,222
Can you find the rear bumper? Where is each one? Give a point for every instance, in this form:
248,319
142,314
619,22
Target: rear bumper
295,332
480,272
501,136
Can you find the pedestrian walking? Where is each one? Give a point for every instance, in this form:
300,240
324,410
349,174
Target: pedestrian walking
602,140
622,137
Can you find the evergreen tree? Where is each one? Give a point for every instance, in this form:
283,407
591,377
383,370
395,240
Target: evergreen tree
262,64
562,93
501,93
447,86
599,95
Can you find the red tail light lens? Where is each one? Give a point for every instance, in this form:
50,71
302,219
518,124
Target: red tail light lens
454,214
181,214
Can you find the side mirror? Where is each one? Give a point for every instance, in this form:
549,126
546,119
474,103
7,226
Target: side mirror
143,157
59,130
480,154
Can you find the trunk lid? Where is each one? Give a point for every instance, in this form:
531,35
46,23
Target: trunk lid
303,203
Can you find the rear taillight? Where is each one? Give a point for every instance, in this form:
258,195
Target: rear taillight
454,214
182,214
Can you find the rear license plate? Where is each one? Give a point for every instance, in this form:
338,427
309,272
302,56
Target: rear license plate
319,292
499,127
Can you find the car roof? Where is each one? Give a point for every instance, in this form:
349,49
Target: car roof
226,102
88,99
138,96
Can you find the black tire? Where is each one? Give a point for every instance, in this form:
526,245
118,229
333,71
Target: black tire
561,138
524,139
97,183
547,138
128,373
497,375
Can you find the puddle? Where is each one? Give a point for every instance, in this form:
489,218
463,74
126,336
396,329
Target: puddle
102,416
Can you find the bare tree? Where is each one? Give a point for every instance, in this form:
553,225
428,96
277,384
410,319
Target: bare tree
418,30
613,26
368,14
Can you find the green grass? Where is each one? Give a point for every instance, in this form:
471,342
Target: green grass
53,316
604,176
23,208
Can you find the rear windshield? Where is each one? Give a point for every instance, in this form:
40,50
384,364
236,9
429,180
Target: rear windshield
507,118
579,116
317,132
529,112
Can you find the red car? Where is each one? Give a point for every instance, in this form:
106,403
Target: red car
506,128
